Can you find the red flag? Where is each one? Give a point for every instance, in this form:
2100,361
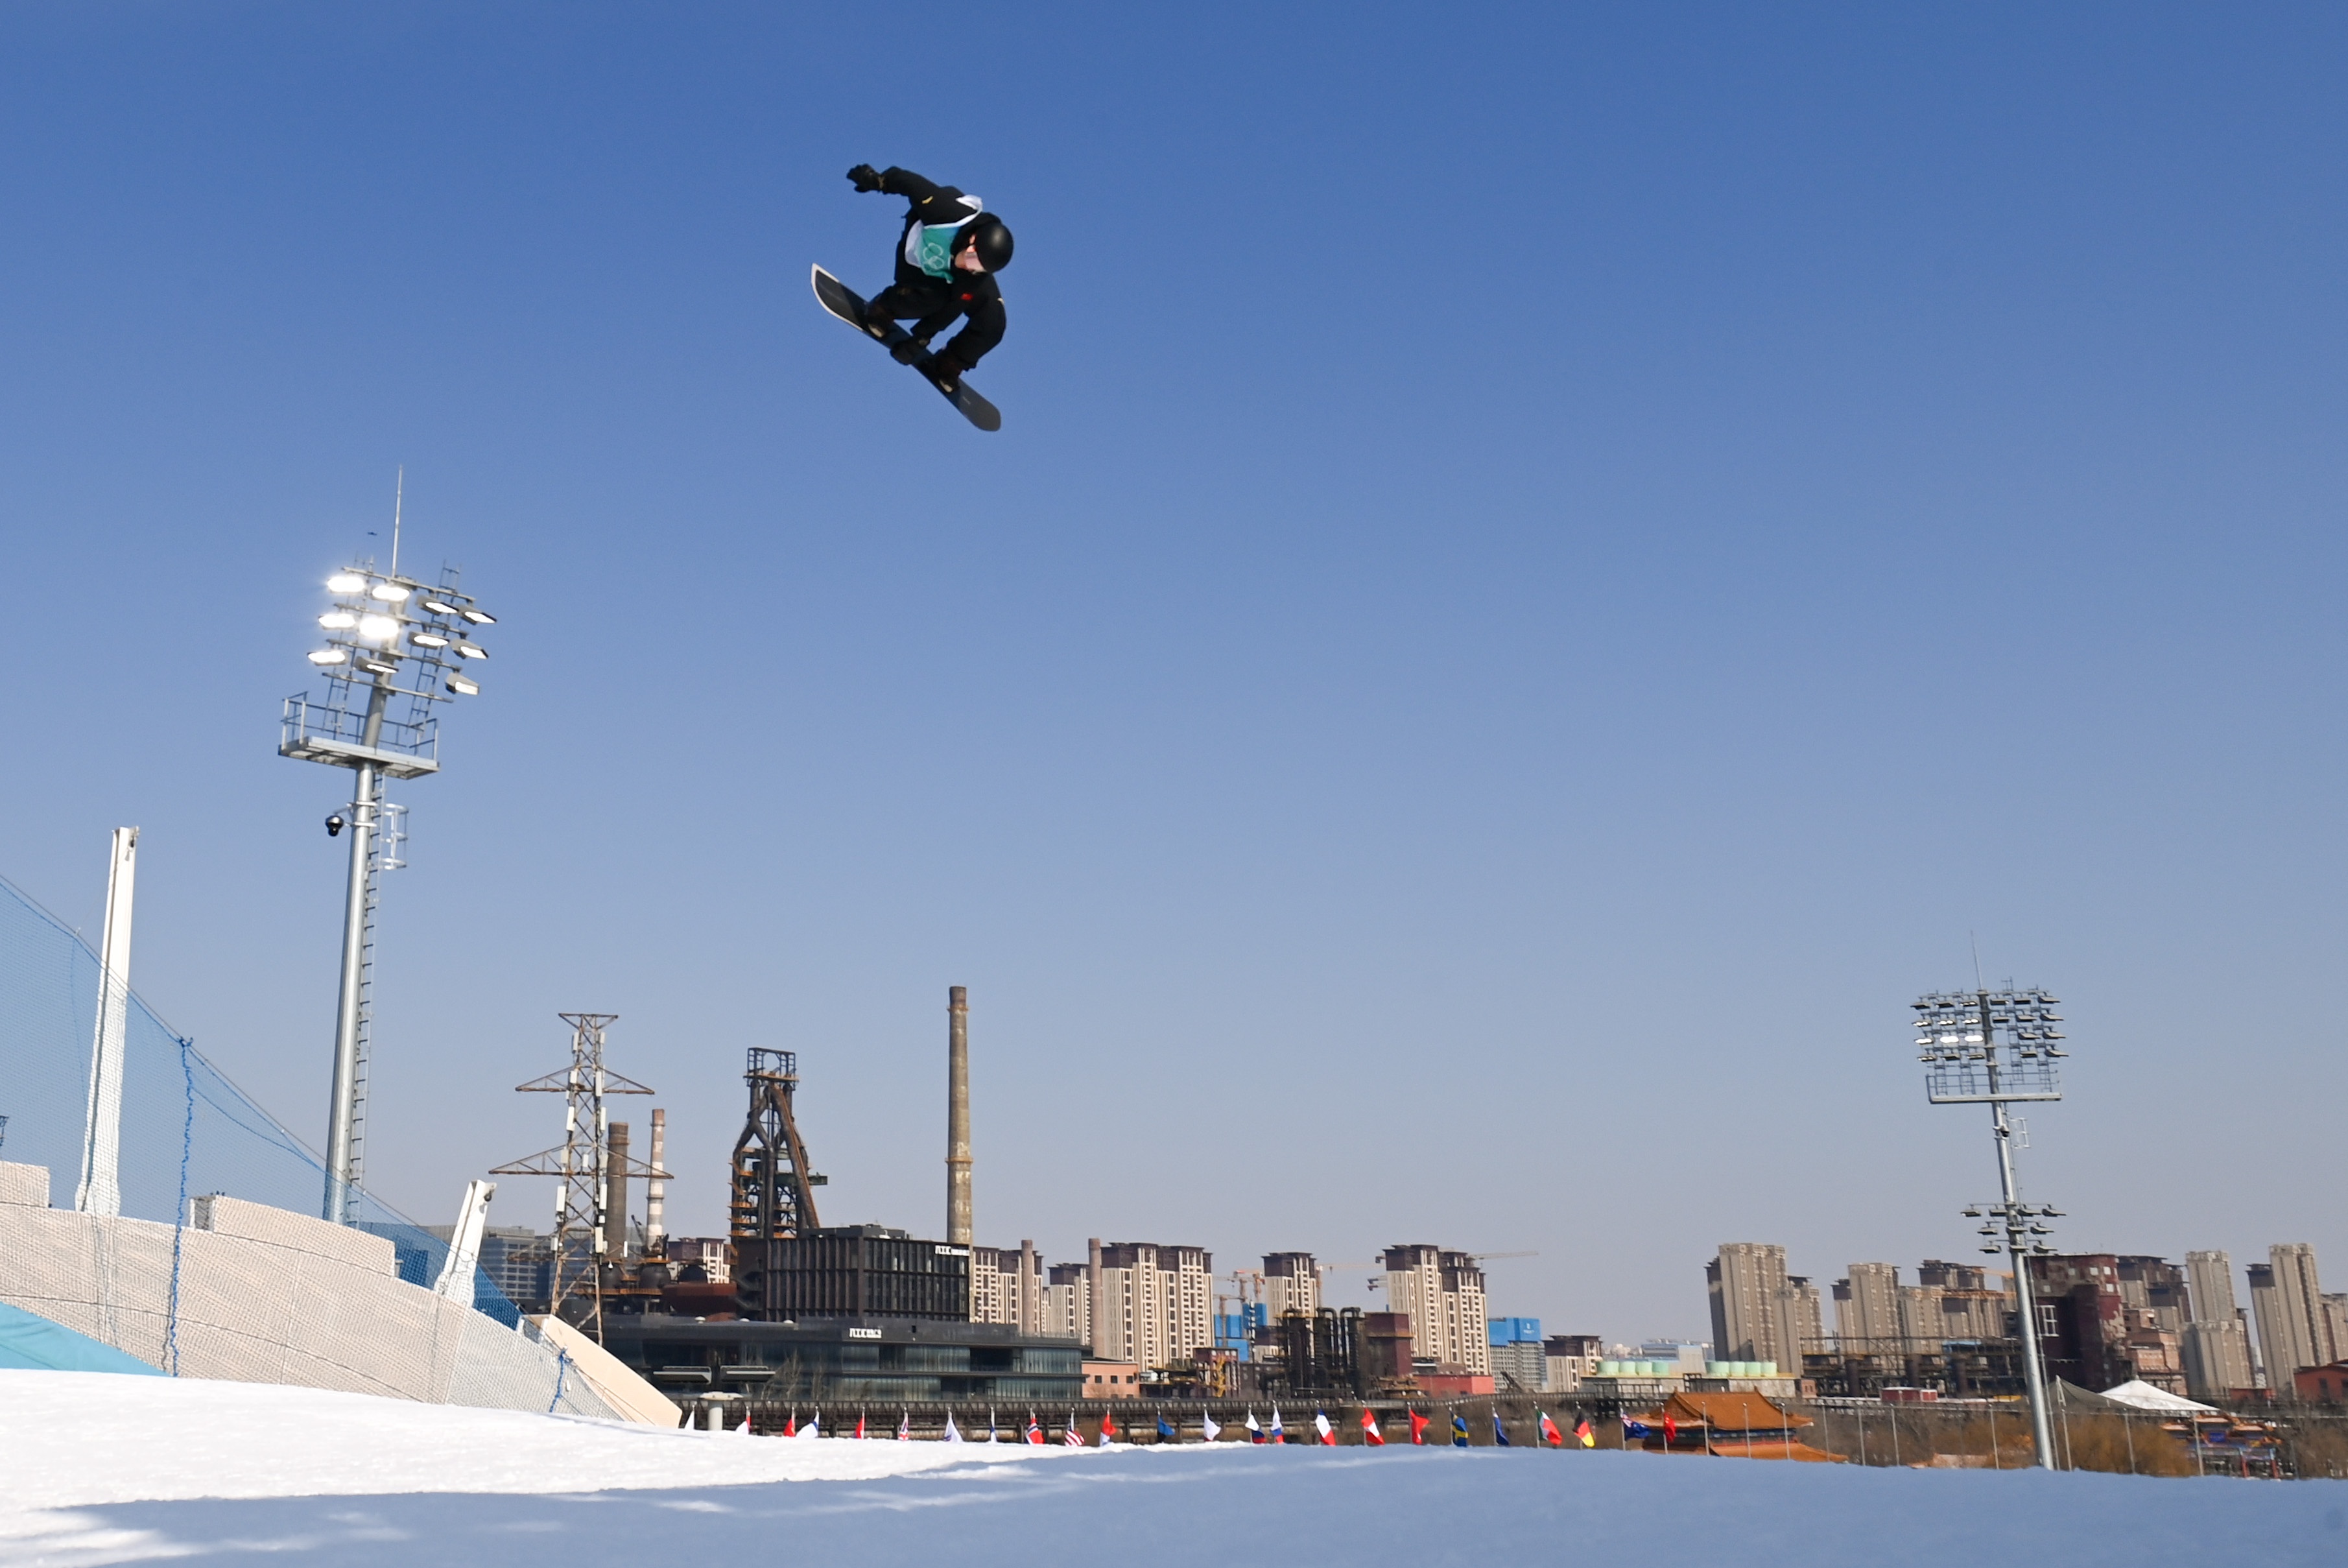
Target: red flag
791,1425
1550,1434
1108,1429
859,1423
1589,1439
1417,1427
1370,1433
1671,1429
1034,1432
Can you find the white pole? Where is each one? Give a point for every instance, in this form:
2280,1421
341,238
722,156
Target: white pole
456,1280
342,1108
656,1192
100,1191
2034,1377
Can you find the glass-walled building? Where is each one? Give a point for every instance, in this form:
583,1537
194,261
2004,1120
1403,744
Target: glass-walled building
870,1360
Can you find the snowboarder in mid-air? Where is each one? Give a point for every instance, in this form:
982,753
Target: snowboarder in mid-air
946,262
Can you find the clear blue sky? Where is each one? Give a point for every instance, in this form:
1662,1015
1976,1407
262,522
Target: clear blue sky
1545,568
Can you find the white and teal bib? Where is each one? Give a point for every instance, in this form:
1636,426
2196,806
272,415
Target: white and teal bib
931,246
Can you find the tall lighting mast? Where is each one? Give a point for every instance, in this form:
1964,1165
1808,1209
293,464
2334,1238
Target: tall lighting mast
395,647
1995,1048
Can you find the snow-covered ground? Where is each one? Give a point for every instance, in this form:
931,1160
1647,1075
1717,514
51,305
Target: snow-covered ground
96,1470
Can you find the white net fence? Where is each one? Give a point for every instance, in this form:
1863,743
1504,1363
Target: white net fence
216,1266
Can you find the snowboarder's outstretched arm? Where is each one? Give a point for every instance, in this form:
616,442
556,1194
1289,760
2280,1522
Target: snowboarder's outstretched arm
921,194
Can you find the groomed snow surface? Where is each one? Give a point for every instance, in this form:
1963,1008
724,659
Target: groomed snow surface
96,1469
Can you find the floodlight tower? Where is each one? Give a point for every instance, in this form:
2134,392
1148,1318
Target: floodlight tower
1995,1048
387,637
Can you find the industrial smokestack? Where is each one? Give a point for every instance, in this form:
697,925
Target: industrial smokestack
958,1231
615,1218
656,1191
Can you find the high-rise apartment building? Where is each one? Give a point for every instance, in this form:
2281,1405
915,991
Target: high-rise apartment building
1803,1312
1567,1359
1152,1305
2217,1358
2215,1341
1970,1308
1519,1365
1756,1308
2294,1331
2158,1286
1443,1293
1291,1283
2210,1278
1006,1285
1866,1309
1068,1302
1920,1317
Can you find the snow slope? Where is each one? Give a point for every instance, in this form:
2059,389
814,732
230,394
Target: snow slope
96,1470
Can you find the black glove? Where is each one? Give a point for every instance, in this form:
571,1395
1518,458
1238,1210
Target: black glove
864,177
906,351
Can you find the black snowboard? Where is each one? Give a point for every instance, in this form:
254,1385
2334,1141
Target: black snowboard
848,305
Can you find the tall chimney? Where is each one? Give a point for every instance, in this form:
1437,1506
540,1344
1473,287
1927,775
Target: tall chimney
615,1218
656,1191
958,1231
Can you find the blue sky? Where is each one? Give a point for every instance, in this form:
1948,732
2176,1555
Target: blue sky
1547,568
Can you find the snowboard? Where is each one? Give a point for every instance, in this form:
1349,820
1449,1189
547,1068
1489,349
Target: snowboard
848,305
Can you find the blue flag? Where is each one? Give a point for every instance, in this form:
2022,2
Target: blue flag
1499,1432
1165,1430
1634,1428
1459,1431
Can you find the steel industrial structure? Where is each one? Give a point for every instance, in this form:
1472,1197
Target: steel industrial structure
773,1189
381,629
590,1229
1995,1048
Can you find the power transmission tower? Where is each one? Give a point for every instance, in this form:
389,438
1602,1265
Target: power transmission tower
582,1163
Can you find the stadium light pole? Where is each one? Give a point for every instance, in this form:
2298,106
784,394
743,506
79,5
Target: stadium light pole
382,630
1995,1048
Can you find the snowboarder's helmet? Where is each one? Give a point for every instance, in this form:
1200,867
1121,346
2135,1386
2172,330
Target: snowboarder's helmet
992,241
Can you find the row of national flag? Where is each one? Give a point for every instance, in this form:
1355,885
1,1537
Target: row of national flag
1324,1431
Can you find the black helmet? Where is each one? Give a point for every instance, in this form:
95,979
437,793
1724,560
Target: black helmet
992,241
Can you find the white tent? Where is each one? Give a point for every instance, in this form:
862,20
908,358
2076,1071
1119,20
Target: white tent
2140,1395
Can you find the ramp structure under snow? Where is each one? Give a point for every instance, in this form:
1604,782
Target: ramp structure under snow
258,1294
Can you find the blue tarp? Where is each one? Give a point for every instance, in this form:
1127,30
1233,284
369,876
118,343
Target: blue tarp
34,1344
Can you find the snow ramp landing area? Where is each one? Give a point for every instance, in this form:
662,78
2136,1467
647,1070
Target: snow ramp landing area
104,1469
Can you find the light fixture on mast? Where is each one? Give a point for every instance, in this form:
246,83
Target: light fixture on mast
1995,1048
385,663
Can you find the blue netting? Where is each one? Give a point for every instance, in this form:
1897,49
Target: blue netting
186,1126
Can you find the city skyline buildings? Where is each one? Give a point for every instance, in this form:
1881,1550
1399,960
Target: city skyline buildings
1298,737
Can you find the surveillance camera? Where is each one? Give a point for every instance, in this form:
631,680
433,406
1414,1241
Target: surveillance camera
333,824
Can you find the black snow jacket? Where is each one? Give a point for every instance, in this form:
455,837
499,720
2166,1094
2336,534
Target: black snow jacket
946,300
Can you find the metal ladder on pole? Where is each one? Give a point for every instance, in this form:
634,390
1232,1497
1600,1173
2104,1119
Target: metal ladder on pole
383,855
